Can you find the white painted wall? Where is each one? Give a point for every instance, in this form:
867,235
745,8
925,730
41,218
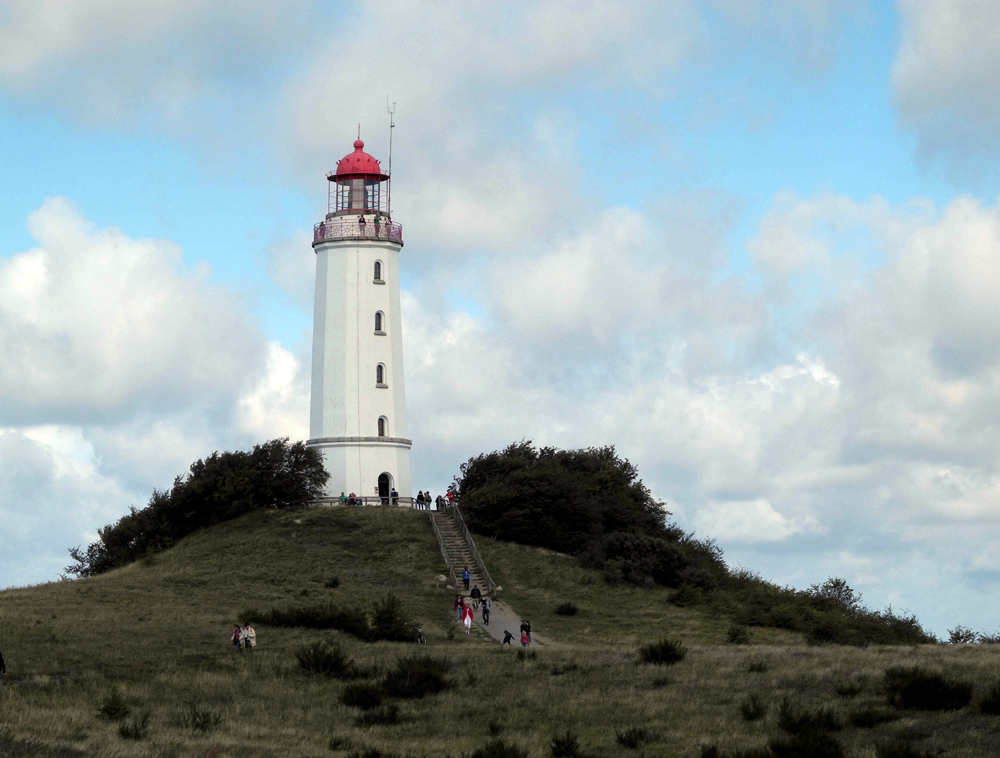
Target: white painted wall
345,401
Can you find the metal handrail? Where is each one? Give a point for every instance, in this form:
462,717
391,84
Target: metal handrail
490,584
444,551
351,229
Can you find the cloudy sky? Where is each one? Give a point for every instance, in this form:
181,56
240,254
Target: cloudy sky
752,243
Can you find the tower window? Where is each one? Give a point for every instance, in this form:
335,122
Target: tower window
379,323
381,426
380,376
378,272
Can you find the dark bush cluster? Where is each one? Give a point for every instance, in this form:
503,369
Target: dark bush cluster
416,676
221,487
388,621
917,689
665,652
567,609
632,738
364,695
327,658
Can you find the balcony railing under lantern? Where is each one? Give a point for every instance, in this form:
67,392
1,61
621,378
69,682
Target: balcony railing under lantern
351,229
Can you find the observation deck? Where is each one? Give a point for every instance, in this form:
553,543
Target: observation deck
351,229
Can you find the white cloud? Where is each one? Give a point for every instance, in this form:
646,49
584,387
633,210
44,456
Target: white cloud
94,324
745,521
945,83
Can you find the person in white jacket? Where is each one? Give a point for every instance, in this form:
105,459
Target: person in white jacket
249,638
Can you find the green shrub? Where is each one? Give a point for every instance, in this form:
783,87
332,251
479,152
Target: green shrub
353,621
201,719
807,744
389,621
961,635
136,728
325,658
990,704
416,676
851,688
565,746
114,706
332,583
338,742
387,715
363,695
567,609
633,737
499,749
665,652
870,716
753,708
738,634
916,689
794,719
687,596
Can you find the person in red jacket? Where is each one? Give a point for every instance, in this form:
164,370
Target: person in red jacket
467,617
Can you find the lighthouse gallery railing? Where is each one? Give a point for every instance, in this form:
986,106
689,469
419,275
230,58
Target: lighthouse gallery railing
351,229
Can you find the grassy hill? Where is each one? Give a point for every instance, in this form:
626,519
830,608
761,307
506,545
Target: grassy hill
158,631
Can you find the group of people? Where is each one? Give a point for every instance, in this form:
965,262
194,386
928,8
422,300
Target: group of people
508,638
244,638
466,612
351,499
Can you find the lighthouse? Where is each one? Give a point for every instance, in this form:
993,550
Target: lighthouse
358,405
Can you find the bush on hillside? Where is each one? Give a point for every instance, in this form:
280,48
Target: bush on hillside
665,652
326,658
917,689
389,622
221,487
416,676
558,499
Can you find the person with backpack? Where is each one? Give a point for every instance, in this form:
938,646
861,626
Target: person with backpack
487,607
466,576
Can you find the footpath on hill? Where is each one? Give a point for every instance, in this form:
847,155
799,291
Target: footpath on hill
502,617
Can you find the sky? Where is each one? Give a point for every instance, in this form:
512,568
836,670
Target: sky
753,244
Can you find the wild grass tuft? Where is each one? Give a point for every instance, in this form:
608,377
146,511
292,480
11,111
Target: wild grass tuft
712,751
807,744
499,749
871,716
633,737
738,634
363,695
371,752
665,652
526,655
567,609
114,706
753,708
325,658
917,689
990,704
136,728
201,719
850,688
416,676
566,745
332,583
795,719
757,666
387,715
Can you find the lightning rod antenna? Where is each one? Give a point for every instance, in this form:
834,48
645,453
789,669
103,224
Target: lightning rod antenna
392,125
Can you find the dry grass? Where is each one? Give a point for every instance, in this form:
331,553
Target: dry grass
160,633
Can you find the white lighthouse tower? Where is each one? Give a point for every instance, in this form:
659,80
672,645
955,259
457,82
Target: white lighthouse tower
358,407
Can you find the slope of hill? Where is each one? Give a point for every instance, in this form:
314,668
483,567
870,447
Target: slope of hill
158,631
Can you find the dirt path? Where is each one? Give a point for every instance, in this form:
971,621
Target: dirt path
503,617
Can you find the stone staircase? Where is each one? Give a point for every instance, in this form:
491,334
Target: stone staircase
459,551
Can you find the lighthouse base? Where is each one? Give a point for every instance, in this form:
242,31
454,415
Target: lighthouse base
366,466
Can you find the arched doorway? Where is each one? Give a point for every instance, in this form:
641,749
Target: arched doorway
384,487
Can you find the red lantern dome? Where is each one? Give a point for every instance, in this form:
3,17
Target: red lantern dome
358,163
356,185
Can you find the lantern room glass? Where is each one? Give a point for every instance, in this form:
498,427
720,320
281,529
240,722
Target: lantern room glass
357,194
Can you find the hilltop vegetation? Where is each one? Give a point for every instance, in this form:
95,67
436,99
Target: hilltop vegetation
221,487
591,504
